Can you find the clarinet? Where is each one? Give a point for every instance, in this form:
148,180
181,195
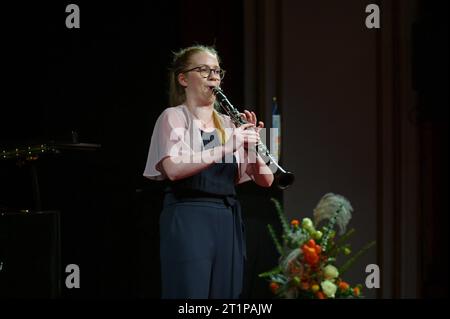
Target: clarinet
283,179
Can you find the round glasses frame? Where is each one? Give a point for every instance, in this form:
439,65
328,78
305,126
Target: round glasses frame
205,71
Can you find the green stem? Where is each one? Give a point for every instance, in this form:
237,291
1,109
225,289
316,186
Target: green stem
352,260
275,239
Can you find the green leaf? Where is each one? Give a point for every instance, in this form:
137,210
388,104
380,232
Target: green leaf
334,249
345,237
282,216
275,239
352,260
271,272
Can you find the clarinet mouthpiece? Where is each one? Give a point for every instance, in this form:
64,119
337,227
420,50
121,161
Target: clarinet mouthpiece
215,89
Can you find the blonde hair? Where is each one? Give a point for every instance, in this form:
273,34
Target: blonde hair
177,95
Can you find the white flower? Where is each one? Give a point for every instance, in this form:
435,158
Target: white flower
330,272
308,225
328,288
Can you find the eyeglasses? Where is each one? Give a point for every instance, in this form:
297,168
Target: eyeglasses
205,71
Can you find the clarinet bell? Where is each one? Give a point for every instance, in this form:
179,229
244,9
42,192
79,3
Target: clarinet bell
283,179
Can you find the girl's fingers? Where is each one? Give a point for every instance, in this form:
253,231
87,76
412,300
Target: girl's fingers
247,125
251,117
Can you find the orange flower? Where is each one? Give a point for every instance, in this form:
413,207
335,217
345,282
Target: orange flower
305,285
343,286
318,249
320,295
295,222
311,243
356,291
311,252
274,287
294,269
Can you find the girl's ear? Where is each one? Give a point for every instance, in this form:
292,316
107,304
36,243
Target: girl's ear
182,79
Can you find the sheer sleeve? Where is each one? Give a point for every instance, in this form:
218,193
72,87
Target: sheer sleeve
168,139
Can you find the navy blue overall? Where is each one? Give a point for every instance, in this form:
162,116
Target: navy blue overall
201,231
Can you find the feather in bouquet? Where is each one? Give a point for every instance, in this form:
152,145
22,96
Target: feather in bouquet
307,265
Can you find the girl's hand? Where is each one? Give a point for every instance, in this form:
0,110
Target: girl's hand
242,136
251,118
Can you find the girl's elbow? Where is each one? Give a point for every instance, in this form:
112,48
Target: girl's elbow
169,169
266,183
269,183
172,176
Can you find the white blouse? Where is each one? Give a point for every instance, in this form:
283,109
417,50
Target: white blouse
177,132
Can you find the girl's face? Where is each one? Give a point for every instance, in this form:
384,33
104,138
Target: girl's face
197,86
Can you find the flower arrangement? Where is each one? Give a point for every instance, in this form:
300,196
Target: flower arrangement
307,265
